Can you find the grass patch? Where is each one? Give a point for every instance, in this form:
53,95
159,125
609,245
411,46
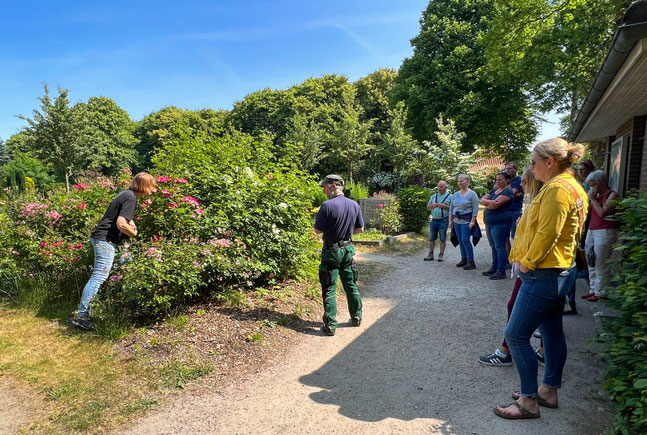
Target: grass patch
371,234
88,387
179,322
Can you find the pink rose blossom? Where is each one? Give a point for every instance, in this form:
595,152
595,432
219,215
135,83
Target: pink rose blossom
163,179
166,193
82,206
80,186
180,181
380,205
154,190
191,200
149,201
43,244
199,211
174,205
79,245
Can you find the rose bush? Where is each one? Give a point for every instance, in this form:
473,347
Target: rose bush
224,213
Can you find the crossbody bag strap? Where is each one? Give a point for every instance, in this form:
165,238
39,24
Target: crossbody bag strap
579,204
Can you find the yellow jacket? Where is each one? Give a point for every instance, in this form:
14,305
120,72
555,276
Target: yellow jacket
547,232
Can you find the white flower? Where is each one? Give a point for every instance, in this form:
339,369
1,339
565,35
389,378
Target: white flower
283,205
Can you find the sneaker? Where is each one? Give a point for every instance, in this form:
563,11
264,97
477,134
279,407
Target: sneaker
83,323
326,330
356,322
497,358
540,357
429,257
489,272
536,334
499,274
462,263
440,256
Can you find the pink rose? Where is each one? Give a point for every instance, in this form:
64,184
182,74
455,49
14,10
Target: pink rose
82,206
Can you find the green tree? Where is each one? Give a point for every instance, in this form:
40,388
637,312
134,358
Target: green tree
108,130
23,163
398,146
350,140
159,128
5,153
444,159
446,75
306,140
56,135
553,47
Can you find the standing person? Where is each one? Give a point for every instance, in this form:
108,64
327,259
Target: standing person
517,202
116,224
338,219
583,170
544,246
602,232
462,213
439,206
498,220
501,357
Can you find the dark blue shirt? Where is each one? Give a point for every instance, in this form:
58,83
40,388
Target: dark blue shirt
517,201
503,214
337,219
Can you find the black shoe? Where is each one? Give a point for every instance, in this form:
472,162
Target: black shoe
83,323
461,263
572,311
470,265
499,274
489,272
326,330
356,322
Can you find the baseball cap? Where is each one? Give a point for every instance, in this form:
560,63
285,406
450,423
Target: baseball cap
332,178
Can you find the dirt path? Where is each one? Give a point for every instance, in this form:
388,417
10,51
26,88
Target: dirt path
410,368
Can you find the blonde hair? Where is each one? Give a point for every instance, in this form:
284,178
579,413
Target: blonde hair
143,182
465,176
532,185
564,152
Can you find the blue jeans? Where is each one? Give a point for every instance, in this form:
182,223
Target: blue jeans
537,306
104,255
513,229
463,233
496,236
438,228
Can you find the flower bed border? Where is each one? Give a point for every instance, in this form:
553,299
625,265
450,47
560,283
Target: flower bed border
387,239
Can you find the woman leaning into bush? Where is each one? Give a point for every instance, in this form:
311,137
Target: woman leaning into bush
498,217
116,224
544,246
602,232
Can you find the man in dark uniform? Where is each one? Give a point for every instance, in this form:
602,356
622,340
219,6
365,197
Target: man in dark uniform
338,219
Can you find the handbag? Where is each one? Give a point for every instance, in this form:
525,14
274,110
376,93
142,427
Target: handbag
566,279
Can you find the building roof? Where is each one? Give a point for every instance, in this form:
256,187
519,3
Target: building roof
619,91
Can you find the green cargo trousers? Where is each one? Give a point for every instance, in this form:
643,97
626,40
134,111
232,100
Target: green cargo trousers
339,262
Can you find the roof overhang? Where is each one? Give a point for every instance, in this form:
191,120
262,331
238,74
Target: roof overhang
619,91
624,98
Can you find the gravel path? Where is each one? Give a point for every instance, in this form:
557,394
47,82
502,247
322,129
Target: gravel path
410,368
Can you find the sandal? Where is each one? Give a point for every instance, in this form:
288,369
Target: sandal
540,401
524,413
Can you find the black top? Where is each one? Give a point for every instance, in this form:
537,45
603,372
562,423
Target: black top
337,219
123,205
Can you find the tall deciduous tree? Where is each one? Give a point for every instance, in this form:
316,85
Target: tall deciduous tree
350,140
446,75
56,135
305,140
553,47
398,146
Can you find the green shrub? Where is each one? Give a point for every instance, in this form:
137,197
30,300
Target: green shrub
384,181
356,191
627,355
388,219
413,207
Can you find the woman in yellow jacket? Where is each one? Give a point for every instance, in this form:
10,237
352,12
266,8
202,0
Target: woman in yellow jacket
544,246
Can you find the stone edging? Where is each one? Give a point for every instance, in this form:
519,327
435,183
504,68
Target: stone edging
388,239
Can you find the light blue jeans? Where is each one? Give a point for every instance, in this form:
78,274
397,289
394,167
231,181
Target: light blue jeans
537,306
463,233
104,255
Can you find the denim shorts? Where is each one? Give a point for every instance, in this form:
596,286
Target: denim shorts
438,227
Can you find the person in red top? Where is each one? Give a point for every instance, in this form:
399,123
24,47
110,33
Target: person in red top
601,234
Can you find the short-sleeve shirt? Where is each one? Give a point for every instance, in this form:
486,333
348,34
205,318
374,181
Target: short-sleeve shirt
517,201
123,205
337,219
503,214
438,212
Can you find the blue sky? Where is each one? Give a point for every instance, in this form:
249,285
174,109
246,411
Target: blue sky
149,54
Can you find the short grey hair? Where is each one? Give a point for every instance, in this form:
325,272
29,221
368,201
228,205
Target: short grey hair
597,177
465,176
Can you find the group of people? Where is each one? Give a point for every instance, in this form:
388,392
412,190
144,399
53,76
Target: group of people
545,238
